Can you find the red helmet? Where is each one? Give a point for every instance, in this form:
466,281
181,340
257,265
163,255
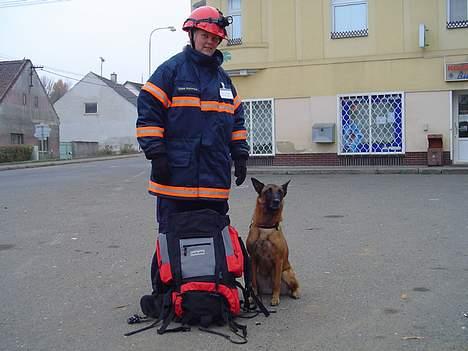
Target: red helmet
209,19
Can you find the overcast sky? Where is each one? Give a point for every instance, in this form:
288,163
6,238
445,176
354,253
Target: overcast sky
68,37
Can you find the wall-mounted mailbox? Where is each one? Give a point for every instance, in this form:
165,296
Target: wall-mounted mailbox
323,133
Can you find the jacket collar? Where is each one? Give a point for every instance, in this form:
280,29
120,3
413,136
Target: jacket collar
214,61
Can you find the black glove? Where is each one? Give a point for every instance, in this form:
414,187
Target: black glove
160,168
240,170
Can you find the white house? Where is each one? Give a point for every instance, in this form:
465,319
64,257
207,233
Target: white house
98,110
133,87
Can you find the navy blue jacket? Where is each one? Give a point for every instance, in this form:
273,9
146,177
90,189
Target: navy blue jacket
190,111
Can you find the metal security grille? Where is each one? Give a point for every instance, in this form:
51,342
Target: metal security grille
457,24
259,122
349,34
371,124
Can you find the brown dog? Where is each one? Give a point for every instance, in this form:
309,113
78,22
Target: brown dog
266,243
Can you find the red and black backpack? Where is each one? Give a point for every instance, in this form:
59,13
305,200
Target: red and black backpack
199,263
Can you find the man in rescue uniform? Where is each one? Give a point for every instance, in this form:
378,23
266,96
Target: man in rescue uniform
191,125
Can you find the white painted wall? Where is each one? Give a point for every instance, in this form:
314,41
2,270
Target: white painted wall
113,124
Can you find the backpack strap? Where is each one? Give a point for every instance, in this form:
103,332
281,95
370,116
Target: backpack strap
152,325
248,283
167,313
243,337
235,327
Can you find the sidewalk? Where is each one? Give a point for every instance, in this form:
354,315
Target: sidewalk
453,169
34,164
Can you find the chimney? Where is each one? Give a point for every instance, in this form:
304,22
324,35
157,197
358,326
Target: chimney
114,78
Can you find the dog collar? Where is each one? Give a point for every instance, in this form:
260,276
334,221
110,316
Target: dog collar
275,226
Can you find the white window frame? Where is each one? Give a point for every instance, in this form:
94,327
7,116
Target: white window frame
353,32
234,12
463,24
91,113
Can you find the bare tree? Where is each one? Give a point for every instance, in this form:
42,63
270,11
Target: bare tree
48,84
54,89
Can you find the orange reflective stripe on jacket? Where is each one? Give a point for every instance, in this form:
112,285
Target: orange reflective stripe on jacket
157,93
185,101
190,101
149,132
237,102
239,135
188,192
217,107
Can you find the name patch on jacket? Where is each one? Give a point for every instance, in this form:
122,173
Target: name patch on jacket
225,93
190,90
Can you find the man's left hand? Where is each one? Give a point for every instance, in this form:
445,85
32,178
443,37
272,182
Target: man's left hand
240,170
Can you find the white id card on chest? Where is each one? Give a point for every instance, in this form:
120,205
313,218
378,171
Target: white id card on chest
226,93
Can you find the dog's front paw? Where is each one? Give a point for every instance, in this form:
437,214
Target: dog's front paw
275,301
295,294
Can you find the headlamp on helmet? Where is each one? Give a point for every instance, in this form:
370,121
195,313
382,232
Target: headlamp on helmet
208,19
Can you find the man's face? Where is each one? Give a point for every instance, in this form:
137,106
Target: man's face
205,42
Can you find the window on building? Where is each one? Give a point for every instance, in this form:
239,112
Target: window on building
457,14
90,107
25,100
235,28
17,138
36,101
259,124
371,124
349,18
198,4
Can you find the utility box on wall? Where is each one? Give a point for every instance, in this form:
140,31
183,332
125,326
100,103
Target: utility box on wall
323,133
435,151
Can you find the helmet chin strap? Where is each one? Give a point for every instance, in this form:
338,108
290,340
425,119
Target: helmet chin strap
192,35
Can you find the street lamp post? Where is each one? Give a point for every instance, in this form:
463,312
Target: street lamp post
102,60
172,29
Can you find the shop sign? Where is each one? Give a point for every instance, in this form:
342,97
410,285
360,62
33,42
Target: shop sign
455,72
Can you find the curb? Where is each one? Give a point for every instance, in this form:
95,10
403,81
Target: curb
361,170
278,170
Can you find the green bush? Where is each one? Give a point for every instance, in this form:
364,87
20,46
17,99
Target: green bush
15,153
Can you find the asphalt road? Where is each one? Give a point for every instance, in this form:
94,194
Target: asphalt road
382,260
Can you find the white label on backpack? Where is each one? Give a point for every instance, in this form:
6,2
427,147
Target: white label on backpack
197,253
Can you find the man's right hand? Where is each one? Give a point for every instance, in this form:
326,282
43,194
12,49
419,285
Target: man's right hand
160,168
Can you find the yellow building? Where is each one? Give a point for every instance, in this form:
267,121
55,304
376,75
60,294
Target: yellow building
351,82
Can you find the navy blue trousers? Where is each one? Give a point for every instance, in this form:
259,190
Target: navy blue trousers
166,207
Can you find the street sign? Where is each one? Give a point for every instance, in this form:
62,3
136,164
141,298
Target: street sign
42,131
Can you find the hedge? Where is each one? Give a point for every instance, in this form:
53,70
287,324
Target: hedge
15,153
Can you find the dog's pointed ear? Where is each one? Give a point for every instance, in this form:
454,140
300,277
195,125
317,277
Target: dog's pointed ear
285,187
258,185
